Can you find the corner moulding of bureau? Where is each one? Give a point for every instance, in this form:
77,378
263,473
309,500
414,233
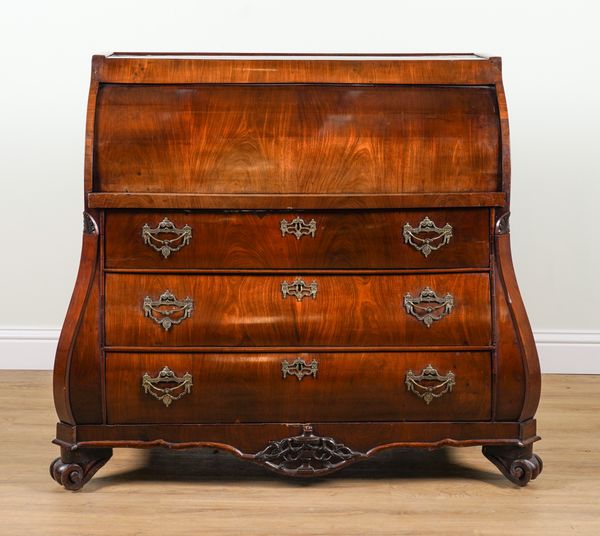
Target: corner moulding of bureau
301,260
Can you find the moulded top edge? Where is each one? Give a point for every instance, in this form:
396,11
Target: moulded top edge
301,57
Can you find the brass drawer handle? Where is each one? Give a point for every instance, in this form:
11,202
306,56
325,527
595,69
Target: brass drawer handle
298,227
168,310
434,237
299,289
182,386
429,392
299,368
163,245
428,306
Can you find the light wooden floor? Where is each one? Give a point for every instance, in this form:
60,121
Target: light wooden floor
450,491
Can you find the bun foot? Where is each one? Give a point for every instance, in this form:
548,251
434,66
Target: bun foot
518,464
75,468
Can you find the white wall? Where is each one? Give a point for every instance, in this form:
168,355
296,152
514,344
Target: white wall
551,59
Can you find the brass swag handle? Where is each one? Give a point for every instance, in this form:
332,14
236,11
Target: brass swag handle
299,289
168,310
429,392
298,227
299,368
166,246
182,387
428,306
433,238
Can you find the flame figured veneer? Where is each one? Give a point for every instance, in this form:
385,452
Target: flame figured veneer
301,260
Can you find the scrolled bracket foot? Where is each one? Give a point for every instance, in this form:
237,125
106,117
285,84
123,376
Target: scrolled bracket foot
517,464
73,469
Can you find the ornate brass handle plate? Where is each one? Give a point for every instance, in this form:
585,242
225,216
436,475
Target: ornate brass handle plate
163,245
299,289
298,227
299,368
432,239
180,386
429,392
428,306
168,310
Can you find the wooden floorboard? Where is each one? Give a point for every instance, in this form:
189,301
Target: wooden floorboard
449,491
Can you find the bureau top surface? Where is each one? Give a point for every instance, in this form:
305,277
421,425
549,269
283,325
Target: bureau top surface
187,67
294,56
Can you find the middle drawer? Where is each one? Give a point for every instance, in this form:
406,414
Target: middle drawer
297,310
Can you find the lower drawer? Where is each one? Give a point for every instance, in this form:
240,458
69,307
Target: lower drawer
315,387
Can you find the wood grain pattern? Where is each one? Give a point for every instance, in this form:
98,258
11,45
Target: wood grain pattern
340,70
510,388
296,139
367,437
358,143
293,202
230,388
347,311
531,378
79,349
346,240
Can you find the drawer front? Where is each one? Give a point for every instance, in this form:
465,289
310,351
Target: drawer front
209,388
319,240
319,310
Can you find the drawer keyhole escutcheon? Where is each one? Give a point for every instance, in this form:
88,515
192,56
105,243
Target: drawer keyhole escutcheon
298,227
168,311
428,306
180,386
428,392
166,246
299,368
427,237
299,289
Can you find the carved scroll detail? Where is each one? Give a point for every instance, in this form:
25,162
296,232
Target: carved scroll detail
306,455
503,224
76,472
519,464
89,225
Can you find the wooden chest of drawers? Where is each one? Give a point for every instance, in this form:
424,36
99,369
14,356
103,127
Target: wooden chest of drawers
302,260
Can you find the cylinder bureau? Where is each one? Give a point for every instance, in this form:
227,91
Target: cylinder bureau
301,260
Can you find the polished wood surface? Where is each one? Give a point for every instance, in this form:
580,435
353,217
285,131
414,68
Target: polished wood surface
362,145
342,240
370,438
296,139
81,353
347,310
290,69
293,202
230,388
446,491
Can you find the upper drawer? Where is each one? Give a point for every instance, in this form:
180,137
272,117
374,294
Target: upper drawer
297,310
296,139
317,240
